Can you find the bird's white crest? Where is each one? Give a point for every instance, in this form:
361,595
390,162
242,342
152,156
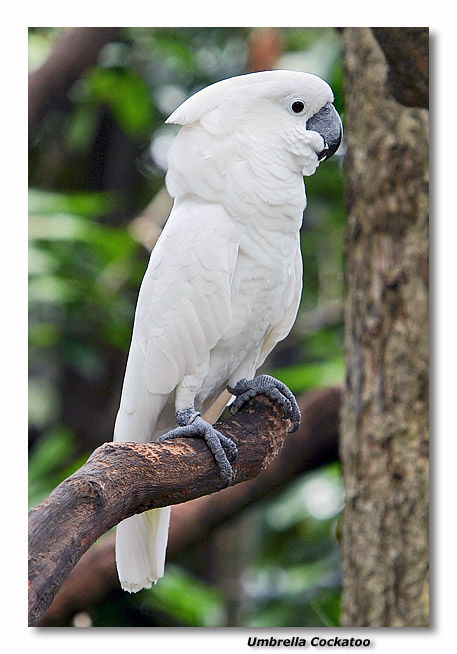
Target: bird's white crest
273,85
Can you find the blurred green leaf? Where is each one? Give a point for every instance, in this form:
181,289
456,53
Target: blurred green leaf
126,94
44,334
310,375
82,128
40,262
48,453
42,402
326,618
80,204
52,290
49,463
186,598
68,227
174,51
318,495
40,46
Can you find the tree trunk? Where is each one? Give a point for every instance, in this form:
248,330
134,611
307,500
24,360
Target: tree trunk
384,424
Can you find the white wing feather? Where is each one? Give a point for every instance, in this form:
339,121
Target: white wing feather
183,308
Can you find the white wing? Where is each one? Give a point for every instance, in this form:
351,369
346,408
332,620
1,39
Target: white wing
183,308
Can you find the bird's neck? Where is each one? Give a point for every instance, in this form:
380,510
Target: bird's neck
254,180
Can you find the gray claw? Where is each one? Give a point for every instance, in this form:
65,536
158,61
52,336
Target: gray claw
222,448
246,389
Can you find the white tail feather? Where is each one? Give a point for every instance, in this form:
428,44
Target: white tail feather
141,543
141,540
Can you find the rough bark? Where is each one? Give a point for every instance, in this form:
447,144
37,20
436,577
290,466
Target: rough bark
315,444
384,429
121,479
406,52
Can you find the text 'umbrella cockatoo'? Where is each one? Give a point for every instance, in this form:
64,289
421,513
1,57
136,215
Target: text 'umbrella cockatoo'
224,279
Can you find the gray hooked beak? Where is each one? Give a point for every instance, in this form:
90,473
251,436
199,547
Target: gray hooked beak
328,124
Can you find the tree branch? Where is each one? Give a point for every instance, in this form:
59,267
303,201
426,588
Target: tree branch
121,479
313,445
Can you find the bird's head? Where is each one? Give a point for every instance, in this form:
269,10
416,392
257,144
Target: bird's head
267,106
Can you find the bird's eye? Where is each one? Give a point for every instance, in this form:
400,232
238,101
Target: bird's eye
298,106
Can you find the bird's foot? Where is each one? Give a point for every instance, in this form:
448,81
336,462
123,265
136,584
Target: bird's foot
246,389
192,425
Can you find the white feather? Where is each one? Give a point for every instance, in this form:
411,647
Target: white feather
141,543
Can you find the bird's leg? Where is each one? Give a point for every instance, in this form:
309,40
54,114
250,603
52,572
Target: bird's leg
245,389
192,425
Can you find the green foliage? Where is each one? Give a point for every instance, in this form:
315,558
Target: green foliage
187,599
125,93
92,169
47,467
79,270
303,376
296,580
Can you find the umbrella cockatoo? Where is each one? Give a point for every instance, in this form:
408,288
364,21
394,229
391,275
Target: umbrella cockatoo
224,279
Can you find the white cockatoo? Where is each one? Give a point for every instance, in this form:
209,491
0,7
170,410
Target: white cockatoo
224,280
